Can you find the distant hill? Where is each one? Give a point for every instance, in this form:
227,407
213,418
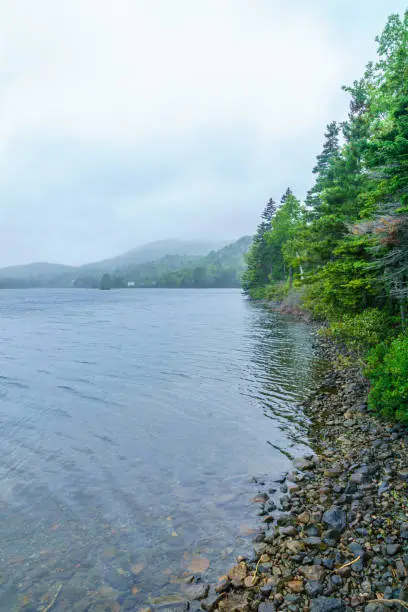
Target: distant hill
231,255
153,251
36,270
168,255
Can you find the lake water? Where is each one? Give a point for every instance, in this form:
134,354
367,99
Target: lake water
134,426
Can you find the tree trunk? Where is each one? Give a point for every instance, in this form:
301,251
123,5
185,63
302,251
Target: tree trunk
290,277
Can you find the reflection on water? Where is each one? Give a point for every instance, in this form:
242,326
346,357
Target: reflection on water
132,425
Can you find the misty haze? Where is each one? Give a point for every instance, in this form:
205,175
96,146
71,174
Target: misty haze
203,305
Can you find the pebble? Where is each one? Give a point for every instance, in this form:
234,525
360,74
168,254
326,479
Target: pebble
342,531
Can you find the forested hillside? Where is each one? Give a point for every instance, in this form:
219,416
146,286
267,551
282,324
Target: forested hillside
191,267
343,252
222,268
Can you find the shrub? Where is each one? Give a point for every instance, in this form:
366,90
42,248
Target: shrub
276,292
361,331
387,370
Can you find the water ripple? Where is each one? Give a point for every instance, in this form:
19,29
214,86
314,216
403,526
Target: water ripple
134,421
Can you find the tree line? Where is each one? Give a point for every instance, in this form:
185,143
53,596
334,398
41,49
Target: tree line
343,251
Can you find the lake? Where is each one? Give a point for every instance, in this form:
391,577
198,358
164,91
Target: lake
136,426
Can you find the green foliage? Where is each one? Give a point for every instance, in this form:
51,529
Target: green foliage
387,371
361,331
276,292
346,248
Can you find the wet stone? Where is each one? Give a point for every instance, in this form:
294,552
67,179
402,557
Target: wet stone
335,518
179,606
195,592
266,607
313,541
314,588
288,531
392,549
374,607
222,586
313,572
312,531
327,604
303,464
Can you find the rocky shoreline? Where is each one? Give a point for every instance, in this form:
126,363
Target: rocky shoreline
339,540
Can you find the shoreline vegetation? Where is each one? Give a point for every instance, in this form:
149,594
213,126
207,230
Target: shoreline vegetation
339,539
342,254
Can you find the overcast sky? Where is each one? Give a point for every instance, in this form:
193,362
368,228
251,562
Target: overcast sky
126,121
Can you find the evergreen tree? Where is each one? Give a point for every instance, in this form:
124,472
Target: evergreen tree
323,166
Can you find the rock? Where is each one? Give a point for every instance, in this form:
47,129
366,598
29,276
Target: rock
392,549
302,464
357,550
288,531
292,601
295,546
401,569
331,536
336,580
222,586
304,518
312,531
172,606
332,472
328,563
266,590
296,586
403,594
195,592
235,602
313,541
212,602
335,518
327,604
312,572
403,475
266,606
374,607
251,581
261,498
404,531
314,588
238,573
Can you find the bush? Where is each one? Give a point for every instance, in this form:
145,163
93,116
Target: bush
387,370
276,292
362,331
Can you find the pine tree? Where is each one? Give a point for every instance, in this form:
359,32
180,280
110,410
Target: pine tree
322,168
269,211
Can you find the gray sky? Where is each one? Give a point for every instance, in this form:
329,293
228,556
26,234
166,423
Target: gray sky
126,121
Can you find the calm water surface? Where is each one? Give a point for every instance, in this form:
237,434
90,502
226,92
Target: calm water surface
132,424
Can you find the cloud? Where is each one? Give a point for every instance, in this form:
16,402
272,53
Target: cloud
141,119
